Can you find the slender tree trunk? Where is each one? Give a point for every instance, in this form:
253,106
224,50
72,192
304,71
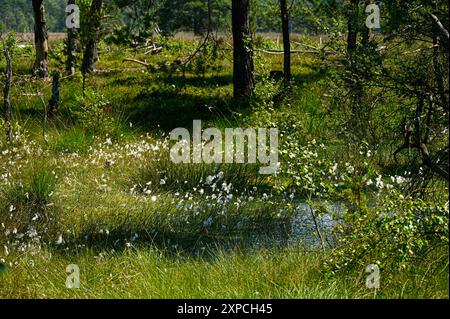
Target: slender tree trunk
242,49
54,101
90,57
352,25
286,40
7,113
365,31
40,39
439,48
71,46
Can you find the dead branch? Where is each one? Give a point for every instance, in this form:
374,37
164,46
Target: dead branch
442,30
208,36
294,52
136,61
419,50
412,140
154,50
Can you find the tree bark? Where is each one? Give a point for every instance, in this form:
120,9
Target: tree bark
352,25
7,113
40,39
90,57
442,31
440,47
243,78
54,101
71,46
286,40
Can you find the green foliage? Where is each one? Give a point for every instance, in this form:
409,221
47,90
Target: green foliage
206,58
17,15
122,201
94,113
391,232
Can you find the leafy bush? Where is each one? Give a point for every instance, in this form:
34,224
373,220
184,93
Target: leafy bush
395,230
95,114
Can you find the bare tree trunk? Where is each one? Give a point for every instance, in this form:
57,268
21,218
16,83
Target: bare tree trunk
286,40
54,101
352,25
90,57
242,49
40,39
440,46
71,46
7,113
443,32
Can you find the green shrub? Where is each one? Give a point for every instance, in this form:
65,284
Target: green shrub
390,233
94,113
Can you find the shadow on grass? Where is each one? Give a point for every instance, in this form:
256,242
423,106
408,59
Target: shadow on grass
169,109
304,79
182,230
204,242
214,81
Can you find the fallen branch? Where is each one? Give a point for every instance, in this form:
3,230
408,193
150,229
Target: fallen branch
118,70
312,47
136,61
295,52
305,45
153,47
154,50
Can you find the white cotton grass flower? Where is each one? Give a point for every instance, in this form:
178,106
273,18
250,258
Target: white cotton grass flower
209,179
60,240
379,182
333,169
398,179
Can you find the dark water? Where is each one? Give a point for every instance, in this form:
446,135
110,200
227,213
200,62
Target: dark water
300,228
